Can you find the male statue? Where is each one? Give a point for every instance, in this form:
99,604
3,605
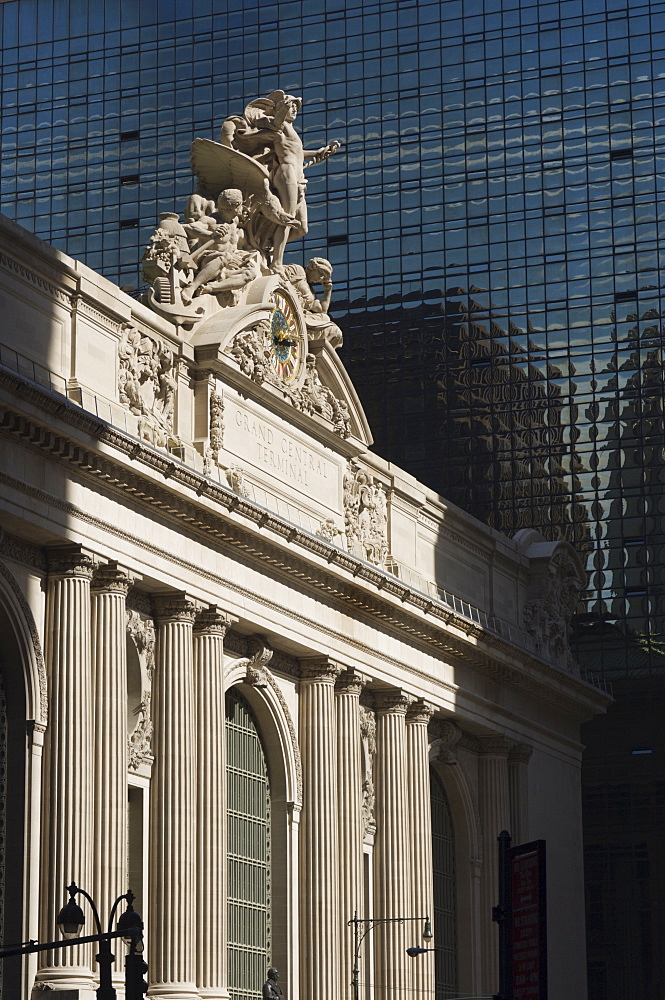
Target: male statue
266,132
271,989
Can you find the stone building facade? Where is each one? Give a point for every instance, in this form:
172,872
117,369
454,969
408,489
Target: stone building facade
256,673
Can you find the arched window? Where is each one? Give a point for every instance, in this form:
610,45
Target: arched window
248,851
445,903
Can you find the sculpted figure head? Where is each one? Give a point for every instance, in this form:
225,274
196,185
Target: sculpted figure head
286,106
229,203
198,206
318,271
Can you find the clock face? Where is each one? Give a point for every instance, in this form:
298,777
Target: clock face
286,348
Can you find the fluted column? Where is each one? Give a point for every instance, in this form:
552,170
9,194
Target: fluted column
211,975
392,896
420,840
172,908
350,825
109,660
494,804
319,859
518,787
68,770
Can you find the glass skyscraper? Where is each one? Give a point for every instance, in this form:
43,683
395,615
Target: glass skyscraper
493,222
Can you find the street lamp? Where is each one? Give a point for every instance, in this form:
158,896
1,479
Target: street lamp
130,928
371,923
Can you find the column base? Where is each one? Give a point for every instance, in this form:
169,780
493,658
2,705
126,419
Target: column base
173,991
72,984
214,993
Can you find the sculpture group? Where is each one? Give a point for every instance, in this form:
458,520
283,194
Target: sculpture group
248,204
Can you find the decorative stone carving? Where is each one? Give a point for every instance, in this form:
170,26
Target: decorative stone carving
555,592
319,324
211,621
141,631
216,421
70,560
147,384
520,753
263,153
251,350
219,266
140,740
258,658
250,201
419,711
215,432
448,736
328,530
236,480
368,737
365,516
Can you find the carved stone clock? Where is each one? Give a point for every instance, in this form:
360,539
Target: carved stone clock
287,348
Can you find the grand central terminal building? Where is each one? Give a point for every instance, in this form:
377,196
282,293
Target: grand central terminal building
249,669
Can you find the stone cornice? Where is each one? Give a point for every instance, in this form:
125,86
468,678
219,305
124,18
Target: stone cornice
29,276
501,659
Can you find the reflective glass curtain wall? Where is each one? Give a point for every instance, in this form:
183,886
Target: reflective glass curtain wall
493,222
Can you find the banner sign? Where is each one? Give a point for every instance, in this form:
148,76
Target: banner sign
528,906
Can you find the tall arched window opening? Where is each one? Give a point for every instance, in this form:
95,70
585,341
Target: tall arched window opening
248,847
445,902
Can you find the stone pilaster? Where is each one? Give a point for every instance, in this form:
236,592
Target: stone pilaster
350,821
211,974
420,840
68,766
109,663
319,857
392,897
494,805
172,906
518,788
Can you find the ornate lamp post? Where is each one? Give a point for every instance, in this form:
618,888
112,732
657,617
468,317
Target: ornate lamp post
369,924
130,928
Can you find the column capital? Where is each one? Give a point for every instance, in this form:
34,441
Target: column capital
419,711
174,607
349,682
520,753
112,578
211,621
391,701
70,560
319,668
493,746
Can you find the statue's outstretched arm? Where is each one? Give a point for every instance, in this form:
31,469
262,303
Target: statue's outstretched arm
319,155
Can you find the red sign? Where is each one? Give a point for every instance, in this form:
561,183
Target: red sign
528,906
